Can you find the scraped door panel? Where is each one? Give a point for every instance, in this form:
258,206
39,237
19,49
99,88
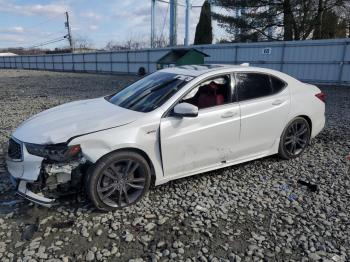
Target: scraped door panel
192,144
262,122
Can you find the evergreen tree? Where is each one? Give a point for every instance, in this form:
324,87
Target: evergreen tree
254,20
204,30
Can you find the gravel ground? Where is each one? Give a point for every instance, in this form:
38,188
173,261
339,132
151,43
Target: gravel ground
250,212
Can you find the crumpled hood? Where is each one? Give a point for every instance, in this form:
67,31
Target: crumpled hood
59,124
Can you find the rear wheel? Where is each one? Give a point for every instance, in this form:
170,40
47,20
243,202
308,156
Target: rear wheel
118,180
295,138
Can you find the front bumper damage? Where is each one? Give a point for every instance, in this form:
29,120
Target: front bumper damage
42,181
23,191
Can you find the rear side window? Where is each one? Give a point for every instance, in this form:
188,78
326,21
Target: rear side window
277,84
253,85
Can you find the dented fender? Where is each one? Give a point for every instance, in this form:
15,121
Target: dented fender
139,135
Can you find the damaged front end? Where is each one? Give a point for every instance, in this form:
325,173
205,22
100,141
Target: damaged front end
42,173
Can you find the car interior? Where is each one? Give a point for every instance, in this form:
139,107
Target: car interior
213,92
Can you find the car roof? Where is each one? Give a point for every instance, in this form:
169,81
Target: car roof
197,70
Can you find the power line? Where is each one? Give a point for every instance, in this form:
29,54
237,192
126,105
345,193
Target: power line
61,32
164,21
44,22
166,2
48,43
51,41
36,25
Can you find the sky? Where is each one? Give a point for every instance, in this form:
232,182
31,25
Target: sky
27,23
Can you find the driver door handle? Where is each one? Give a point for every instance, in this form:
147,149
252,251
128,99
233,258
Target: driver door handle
277,102
229,114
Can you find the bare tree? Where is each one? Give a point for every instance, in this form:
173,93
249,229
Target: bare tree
82,43
130,44
161,41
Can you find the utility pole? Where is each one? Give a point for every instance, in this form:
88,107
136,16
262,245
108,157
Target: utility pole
173,23
153,19
69,33
187,32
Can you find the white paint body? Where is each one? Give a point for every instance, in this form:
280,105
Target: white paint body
219,136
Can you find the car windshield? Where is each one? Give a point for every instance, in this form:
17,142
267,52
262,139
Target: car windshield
150,92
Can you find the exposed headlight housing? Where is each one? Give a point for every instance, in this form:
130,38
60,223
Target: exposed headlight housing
58,152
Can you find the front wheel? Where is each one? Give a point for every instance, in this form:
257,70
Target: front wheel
118,180
295,138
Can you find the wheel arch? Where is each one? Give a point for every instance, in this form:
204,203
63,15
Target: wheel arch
309,121
140,152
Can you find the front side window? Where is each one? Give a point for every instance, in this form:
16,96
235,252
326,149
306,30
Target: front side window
252,85
150,92
212,92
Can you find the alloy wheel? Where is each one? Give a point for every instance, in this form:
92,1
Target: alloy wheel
297,138
121,183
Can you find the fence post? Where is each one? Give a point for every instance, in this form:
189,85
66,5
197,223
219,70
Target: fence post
148,61
96,62
111,62
62,62
236,52
282,57
73,63
84,66
127,62
342,61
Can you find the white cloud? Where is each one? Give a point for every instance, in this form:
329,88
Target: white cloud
12,38
17,29
75,28
93,27
91,15
13,30
48,10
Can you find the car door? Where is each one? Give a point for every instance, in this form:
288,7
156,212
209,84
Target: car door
264,102
192,144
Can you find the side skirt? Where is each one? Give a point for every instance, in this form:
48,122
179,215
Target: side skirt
273,151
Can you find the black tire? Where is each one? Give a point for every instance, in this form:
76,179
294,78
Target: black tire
118,180
141,71
294,139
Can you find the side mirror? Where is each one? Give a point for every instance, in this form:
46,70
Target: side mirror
185,110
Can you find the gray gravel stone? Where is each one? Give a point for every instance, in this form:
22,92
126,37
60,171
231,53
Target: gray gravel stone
90,256
256,209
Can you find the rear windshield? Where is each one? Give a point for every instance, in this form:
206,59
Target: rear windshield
150,92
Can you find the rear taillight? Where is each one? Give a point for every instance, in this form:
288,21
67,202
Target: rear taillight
321,96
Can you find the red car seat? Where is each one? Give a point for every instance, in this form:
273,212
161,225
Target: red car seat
209,97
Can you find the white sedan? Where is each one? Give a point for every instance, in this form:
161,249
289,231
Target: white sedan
174,123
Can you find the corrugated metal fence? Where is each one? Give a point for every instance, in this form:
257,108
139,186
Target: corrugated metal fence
317,61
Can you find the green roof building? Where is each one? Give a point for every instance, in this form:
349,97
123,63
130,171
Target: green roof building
179,57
